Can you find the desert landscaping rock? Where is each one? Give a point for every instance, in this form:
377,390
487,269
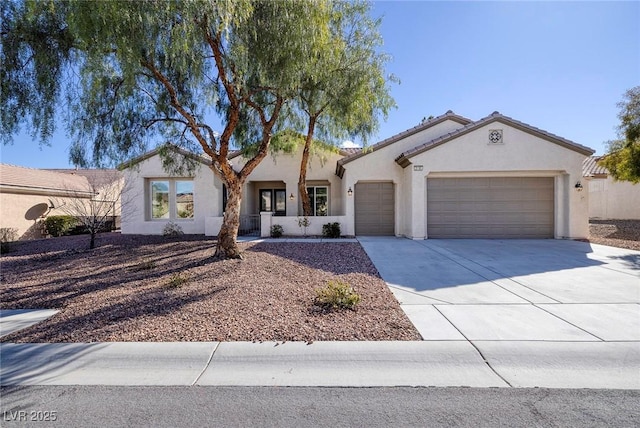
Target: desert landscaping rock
150,288
615,233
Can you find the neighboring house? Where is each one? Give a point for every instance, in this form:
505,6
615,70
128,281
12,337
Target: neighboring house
608,198
28,196
447,177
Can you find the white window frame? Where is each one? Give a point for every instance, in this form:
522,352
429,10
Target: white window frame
173,196
313,199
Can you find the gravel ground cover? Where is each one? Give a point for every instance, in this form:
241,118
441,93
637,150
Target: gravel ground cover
615,233
152,288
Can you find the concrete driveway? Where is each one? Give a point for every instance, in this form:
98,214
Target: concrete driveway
534,306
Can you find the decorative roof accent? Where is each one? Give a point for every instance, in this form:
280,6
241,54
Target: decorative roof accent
19,178
590,168
449,115
403,159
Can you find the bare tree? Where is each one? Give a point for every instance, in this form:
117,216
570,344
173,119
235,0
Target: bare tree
101,209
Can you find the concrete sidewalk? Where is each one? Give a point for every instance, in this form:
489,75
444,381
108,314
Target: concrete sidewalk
554,314
346,364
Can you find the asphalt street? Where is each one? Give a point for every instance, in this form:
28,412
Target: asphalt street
116,406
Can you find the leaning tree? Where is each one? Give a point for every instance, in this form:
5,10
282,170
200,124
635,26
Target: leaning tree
206,75
348,92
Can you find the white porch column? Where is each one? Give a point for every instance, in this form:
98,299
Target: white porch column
265,223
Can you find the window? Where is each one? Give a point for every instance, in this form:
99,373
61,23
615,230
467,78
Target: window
273,200
184,199
159,199
171,199
319,197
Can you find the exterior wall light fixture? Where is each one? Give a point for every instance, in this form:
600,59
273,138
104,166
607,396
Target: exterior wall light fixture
578,186
291,196
350,192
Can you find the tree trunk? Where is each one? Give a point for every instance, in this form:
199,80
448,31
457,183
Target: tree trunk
307,210
227,247
92,241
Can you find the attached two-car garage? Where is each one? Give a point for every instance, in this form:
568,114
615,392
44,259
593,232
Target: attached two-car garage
490,207
478,207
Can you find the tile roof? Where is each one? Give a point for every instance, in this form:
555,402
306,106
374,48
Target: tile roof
403,159
12,176
449,115
95,176
590,168
197,157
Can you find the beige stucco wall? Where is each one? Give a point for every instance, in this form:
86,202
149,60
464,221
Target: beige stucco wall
26,211
609,199
380,166
207,199
281,170
521,154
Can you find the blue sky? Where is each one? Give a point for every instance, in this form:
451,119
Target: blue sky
559,66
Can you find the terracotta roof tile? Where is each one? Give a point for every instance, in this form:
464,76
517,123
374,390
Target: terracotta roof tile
590,167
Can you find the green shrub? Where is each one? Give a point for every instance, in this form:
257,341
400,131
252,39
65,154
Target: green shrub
337,295
58,225
7,236
331,230
177,280
276,231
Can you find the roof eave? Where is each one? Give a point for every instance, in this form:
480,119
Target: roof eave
496,117
449,115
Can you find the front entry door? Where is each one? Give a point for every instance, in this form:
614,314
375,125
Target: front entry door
274,200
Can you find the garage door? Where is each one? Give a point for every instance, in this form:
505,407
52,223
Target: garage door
504,207
374,207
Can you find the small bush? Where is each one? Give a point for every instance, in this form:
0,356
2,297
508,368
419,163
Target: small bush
331,230
144,265
177,280
7,236
276,231
303,223
172,229
337,295
58,225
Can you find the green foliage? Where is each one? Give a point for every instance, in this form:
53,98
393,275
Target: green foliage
623,155
331,230
127,74
276,231
337,295
623,161
7,236
177,280
172,229
58,225
349,93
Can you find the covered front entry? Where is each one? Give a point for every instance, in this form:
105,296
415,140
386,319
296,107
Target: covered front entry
490,207
374,208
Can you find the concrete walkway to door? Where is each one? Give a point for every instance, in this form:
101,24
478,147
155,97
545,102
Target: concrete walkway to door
536,310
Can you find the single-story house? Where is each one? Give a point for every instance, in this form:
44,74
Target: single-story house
29,195
449,177
610,199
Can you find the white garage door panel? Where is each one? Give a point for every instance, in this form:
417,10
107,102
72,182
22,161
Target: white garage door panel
494,207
